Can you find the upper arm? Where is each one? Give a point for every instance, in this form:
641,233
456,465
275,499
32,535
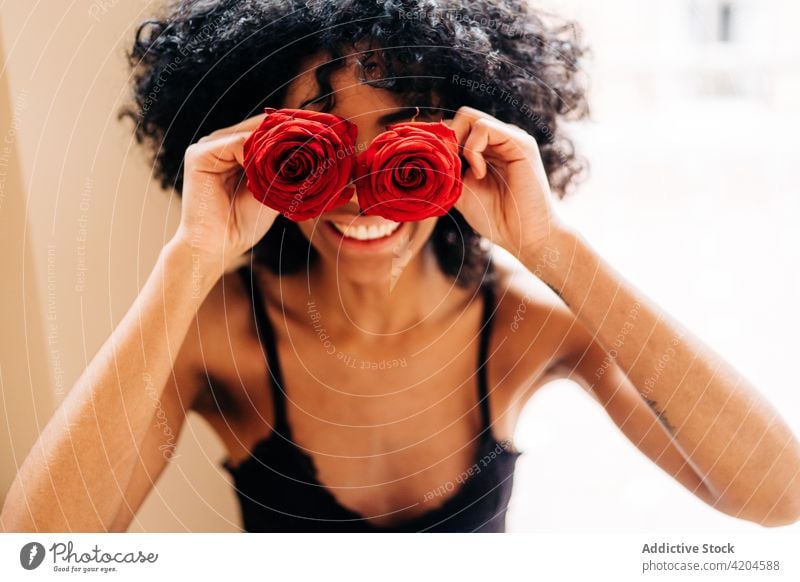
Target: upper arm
197,358
590,365
553,343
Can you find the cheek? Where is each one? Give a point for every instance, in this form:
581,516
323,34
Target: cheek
428,225
423,229
307,227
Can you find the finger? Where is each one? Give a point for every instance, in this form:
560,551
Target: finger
473,148
467,117
503,141
495,140
219,154
482,135
248,124
475,203
463,121
260,215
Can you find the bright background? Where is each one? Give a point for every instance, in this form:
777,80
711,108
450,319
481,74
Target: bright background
693,195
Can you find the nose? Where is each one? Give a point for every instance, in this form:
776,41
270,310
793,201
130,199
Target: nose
354,202
367,131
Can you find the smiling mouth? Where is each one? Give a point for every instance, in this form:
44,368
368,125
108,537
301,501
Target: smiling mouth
364,232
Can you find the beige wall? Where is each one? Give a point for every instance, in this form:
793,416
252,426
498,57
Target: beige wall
22,340
84,225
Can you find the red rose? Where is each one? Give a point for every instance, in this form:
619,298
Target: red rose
410,172
300,162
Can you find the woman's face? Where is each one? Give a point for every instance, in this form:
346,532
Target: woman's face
364,249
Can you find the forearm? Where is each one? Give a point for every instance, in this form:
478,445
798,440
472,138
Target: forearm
730,435
73,479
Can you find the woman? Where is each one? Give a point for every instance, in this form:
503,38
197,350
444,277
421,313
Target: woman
367,375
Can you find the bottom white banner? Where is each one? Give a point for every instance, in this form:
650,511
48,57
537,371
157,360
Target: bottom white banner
769,555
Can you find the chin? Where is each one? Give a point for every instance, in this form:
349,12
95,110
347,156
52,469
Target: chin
376,273
365,267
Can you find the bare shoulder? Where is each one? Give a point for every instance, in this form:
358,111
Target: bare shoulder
534,332
226,306
224,344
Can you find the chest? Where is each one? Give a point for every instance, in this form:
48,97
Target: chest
383,421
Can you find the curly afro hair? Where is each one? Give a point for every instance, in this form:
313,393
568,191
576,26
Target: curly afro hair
204,65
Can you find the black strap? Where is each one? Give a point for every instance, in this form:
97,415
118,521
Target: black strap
266,335
483,363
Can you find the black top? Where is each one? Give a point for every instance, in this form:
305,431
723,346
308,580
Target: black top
277,485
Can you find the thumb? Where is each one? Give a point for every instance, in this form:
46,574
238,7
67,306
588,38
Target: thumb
473,203
256,218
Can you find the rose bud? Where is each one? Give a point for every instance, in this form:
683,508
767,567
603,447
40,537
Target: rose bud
410,172
300,162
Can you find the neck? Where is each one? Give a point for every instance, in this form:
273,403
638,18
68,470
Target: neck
380,306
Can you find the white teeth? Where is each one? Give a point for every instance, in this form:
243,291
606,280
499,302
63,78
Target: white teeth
362,232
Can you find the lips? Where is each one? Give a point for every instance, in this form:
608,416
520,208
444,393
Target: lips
360,235
366,232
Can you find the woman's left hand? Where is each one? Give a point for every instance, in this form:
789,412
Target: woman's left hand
506,195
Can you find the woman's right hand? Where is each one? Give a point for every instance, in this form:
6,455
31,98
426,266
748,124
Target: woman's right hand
220,217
